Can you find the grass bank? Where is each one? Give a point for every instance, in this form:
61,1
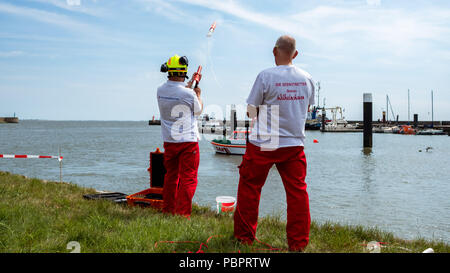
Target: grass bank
41,216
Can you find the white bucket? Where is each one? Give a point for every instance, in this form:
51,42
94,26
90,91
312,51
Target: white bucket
225,204
428,250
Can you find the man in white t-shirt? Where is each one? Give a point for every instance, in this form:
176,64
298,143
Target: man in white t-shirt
178,106
278,105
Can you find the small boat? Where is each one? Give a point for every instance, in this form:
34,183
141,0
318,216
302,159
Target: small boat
390,130
406,130
384,129
340,124
312,122
430,132
154,121
9,119
233,146
377,129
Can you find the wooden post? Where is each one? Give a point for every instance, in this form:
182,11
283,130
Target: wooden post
60,165
224,131
367,104
323,120
233,120
416,120
432,110
246,130
409,108
387,108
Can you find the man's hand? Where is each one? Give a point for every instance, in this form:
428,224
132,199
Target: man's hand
195,75
189,84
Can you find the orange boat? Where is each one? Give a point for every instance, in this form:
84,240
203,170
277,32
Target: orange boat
407,130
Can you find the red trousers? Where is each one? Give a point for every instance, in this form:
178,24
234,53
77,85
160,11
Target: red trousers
181,161
255,166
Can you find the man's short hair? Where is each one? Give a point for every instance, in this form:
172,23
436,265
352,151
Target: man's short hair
286,44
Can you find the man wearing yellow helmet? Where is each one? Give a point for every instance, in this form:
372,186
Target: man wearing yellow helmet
178,105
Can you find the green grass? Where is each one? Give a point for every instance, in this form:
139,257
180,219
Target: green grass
40,216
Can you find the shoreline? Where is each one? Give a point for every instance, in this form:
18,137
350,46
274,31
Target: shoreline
52,214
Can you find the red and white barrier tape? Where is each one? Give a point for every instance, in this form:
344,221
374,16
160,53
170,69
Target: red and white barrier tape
60,158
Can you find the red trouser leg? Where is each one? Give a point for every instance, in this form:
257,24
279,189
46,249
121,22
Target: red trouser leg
189,161
171,177
181,161
293,173
253,173
291,164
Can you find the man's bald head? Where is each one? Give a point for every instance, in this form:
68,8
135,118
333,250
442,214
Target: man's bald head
284,50
286,44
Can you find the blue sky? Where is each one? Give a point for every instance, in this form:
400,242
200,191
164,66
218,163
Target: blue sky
100,59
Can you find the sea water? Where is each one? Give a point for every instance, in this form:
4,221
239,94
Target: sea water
398,187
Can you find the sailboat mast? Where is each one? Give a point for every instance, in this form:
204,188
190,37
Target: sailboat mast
408,107
387,109
318,95
389,105
432,110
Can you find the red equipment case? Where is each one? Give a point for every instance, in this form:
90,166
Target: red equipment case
152,197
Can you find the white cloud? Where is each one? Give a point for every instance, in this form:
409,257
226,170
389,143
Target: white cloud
444,54
166,9
396,30
267,20
43,16
89,30
74,6
373,2
73,2
10,54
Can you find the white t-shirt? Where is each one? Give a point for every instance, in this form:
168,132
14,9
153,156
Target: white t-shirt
282,94
178,107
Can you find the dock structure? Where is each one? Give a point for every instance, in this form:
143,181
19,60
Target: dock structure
9,120
442,125
334,125
216,127
154,122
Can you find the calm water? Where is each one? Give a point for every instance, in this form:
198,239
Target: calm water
396,187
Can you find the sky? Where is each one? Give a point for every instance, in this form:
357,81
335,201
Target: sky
100,59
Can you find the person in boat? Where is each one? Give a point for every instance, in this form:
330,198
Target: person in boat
178,105
278,105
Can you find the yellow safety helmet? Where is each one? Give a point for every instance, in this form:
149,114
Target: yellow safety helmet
176,66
